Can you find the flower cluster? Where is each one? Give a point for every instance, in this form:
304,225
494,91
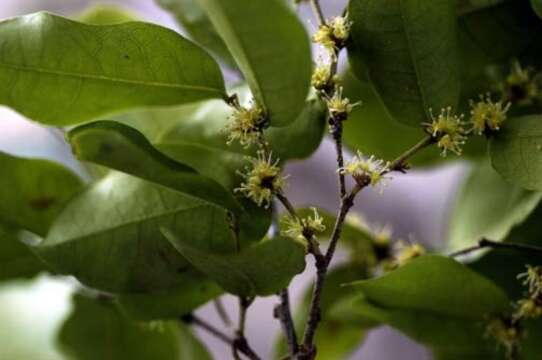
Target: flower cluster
246,125
407,252
448,131
303,228
262,180
505,331
321,77
487,115
333,35
531,305
370,171
521,86
339,107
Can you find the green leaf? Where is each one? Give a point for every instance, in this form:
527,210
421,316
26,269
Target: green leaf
537,7
436,301
263,269
97,330
197,24
488,207
17,259
409,49
104,14
109,236
516,152
272,50
445,287
33,192
122,148
194,292
58,71
125,149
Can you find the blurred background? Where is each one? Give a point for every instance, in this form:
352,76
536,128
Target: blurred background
415,205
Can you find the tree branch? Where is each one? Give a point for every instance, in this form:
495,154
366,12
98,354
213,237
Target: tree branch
202,324
317,9
485,243
240,342
283,312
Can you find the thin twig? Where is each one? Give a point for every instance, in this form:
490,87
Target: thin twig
222,313
196,321
317,9
399,164
240,343
287,204
485,243
283,312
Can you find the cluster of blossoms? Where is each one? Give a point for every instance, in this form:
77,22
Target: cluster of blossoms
262,180
487,115
408,251
246,125
369,171
303,228
333,35
507,330
339,107
448,131
531,305
521,86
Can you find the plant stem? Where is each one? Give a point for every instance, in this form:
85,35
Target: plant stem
222,313
240,343
399,164
283,312
287,204
196,321
317,9
485,243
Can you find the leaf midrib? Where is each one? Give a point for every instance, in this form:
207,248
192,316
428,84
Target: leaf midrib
97,77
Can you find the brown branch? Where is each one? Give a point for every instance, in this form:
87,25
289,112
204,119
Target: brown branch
240,343
317,9
485,243
284,314
196,321
221,311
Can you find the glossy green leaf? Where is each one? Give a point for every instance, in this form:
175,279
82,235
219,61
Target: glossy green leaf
125,149
194,292
122,148
34,191
516,152
97,330
104,14
197,24
488,207
409,49
263,269
109,236
272,50
537,7
61,72
444,286
16,259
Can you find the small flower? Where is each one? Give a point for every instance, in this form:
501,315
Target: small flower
262,180
246,125
528,309
448,131
340,28
505,331
339,107
533,280
334,34
520,86
487,115
366,170
304,228
321,77
408,252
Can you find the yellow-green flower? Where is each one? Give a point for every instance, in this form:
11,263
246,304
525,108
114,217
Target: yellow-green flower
339,107
487,115
528,309
321,77
366,170
303,228
333,35
408,252
533,280
506,332
447,129
324,36
246,125
262,180
340,28
520,86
